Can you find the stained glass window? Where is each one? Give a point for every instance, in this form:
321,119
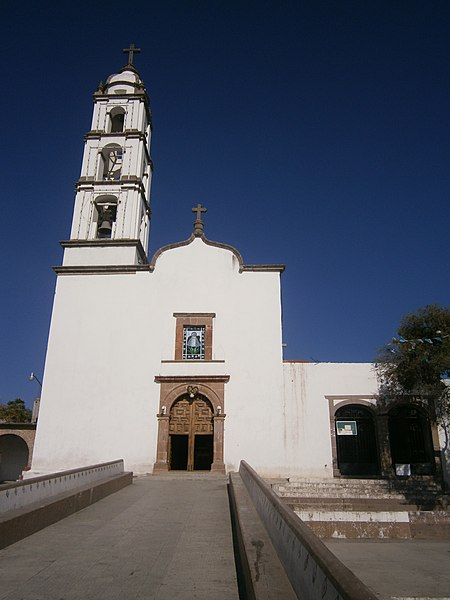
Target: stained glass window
194,342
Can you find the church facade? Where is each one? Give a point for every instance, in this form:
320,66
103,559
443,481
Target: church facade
175,361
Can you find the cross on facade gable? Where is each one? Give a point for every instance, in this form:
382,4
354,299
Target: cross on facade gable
131,50
198,223
199,209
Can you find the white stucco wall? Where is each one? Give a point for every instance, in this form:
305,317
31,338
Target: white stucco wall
109,334
307,387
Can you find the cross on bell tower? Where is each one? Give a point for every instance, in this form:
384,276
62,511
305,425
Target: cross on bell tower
198,223
131,50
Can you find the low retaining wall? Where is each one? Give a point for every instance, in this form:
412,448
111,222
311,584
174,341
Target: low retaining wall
314,572
261,575
36,489
46,500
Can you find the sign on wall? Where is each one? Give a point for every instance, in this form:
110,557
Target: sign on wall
346,428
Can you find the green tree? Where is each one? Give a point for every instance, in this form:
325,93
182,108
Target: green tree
15,412
417,362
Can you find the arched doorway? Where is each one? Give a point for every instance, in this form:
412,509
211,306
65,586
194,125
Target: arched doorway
191,434
411,441
13,457
356,443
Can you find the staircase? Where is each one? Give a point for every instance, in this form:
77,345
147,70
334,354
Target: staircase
368,508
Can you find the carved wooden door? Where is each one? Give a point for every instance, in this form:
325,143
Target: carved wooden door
191,417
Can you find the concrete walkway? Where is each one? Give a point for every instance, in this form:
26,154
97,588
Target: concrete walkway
161,538
398,569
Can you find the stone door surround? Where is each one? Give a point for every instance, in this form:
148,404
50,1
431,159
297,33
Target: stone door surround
172,388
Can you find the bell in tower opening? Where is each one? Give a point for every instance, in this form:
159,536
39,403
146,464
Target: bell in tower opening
106,218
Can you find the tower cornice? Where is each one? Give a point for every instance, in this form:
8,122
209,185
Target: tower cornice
126,182
141,96
128,134
106,243
139,90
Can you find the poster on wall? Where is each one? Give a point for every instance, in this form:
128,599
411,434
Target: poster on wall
403,470
346,428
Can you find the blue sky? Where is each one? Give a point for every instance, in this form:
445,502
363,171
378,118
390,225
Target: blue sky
317,134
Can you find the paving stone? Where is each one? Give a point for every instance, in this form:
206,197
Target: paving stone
414,569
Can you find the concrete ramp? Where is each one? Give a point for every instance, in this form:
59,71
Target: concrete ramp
31,505
160,538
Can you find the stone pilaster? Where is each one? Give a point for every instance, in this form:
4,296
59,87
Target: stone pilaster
384,447
162,449
218,465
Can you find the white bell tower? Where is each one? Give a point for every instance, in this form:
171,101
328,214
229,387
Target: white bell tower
112,205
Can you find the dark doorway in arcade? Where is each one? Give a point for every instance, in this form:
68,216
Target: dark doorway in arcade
356,442
13,457
411,441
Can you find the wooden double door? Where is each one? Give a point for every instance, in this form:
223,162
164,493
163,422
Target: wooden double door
191,431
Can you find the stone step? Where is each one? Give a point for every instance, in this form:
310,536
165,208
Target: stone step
415,492
377,524
332,493
423,481
363,484
369,509
360,530
356,504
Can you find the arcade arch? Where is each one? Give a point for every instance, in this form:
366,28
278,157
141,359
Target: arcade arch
14,456
372,438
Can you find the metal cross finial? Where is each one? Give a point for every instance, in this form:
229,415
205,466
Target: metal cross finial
131,50
198,223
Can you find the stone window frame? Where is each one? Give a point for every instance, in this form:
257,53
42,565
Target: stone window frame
199,319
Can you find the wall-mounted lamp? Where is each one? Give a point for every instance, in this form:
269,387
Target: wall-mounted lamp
33,376
219,410
163,410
